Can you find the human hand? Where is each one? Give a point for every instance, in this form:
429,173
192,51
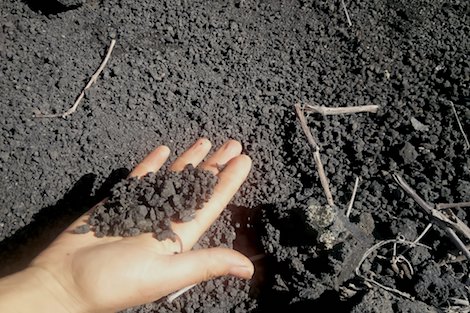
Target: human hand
83,273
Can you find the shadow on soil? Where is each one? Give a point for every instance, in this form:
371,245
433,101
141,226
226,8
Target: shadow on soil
47,7
18,250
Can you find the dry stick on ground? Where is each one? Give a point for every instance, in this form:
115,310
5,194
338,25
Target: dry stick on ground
410,244
316,154
467,143
91,82
351,202
323,110
448,224
442,206
346,12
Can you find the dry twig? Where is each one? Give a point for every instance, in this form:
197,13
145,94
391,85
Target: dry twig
90,83
442,206
316,154
403,241
467,143
323,110
346,12
447,223
351,202
178,293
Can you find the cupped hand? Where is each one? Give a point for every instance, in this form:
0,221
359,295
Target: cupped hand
93,274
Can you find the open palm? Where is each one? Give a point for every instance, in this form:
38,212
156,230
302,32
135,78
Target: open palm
112,273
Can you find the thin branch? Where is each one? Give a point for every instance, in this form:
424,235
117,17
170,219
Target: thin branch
383,243
90,83
351,202
305,128
323,110
178,293
423,233
441,206
316,155
376,247
467,143
439,218
346,12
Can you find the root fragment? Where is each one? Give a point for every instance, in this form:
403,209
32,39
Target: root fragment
92,80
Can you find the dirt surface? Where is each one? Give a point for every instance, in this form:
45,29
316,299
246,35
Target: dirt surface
234,69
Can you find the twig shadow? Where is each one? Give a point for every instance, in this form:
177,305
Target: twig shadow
18,250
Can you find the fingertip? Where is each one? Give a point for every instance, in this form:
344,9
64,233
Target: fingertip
239,166
193,155
165,150
245,160
204,141
244,268
152,162
233,147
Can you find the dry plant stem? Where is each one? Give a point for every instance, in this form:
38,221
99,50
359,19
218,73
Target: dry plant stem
389,289
428,227
90,83
341,110
439,218
467,143
383,243
351,202
411,244
346,12
441,206
178,293
374,248
316,155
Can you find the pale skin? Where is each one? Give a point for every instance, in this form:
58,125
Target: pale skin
83,273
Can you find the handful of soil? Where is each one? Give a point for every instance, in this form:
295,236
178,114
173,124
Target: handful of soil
150,203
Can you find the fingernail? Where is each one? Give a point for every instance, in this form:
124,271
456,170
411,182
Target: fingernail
242,272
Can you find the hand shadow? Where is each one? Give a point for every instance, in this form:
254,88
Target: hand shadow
18,250
48,7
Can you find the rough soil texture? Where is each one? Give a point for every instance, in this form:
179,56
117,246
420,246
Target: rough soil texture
151,203
234,69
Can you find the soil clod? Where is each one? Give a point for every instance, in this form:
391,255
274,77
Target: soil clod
151,203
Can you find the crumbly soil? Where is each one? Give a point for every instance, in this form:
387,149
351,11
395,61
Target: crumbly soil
150,203
234,69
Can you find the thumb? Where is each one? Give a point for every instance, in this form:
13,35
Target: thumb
195,266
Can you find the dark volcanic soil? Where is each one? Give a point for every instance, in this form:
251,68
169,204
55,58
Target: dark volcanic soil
151,203
234,69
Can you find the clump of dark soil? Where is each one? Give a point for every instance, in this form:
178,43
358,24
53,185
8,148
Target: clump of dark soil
152,202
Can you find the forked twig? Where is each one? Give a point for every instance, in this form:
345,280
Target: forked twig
316,154
90,83
323,110
351,202
448,224
467,143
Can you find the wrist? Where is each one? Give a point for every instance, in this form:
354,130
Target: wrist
36,290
